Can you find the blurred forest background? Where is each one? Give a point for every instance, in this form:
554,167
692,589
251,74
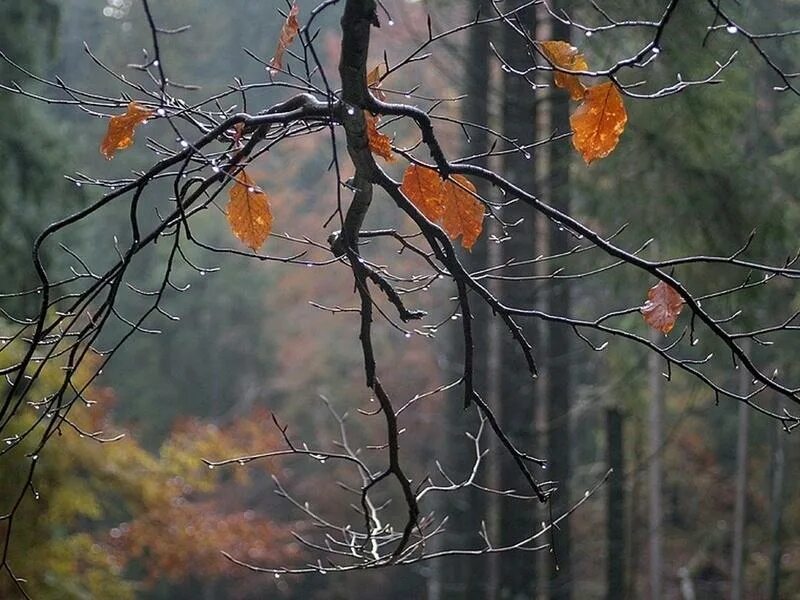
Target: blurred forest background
144,517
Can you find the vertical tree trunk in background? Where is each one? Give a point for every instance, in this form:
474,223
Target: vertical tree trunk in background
517,573
777,472
615,507
466,577
656,387
494,396
634,526
559,370
740,510
477,111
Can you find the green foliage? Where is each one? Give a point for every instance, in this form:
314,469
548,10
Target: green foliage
31,157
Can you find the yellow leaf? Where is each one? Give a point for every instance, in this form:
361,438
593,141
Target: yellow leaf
662,308
566,56
598,122
378,143
119,134
289,31
248,212
451,203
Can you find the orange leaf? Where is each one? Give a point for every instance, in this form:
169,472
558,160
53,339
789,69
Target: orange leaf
566,56
374,81
119,134
598,122
463,213
378,143
662,308
423,187
289,31
248,212
452,202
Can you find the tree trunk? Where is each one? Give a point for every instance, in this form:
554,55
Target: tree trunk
740,510
615,507
517,571
634,526
778,468
466,577
494,396
656,385
559,369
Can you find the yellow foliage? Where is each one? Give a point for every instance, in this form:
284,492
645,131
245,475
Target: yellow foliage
95,507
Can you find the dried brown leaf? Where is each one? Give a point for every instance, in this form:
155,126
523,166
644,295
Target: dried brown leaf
566,56
463,212
662,307
379,143
119,134
289,31
423,187
374,81
598,122
248,212
238,133
451,203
